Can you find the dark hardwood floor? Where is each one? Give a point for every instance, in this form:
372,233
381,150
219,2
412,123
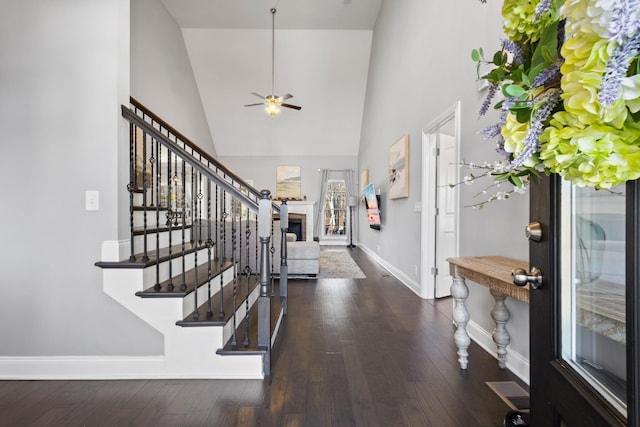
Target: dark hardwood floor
364,352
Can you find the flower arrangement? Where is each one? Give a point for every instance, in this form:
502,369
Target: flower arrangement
569,76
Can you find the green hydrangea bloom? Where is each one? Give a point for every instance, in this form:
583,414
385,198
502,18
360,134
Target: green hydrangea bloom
519,19
586,143
595,155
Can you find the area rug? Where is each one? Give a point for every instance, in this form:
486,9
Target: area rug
338,264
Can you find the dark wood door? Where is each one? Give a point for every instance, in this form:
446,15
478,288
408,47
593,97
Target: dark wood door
583,321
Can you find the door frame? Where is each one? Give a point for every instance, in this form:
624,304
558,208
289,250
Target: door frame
557,391
428,238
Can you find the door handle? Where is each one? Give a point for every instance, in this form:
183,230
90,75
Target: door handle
521,277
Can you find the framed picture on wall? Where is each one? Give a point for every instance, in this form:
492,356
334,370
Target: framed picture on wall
364,178
288,182
399,168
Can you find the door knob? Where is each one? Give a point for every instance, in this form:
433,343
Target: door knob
521,277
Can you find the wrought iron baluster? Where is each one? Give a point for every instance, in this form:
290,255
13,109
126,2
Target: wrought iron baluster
183,282
222,256
145,255
272,249
176,180
152,161
209,248
234,337
197,201
217,234
131,187
170,213
247,271
154,180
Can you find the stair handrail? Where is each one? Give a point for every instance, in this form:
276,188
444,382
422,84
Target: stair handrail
130,115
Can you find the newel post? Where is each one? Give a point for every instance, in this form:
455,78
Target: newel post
284,269
264,300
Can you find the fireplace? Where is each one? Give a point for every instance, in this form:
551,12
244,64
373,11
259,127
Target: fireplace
295,227
301,212
298,226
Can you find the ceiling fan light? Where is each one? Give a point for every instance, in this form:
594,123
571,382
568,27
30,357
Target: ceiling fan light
272,109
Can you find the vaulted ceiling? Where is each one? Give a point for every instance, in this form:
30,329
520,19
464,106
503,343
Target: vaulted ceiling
322,50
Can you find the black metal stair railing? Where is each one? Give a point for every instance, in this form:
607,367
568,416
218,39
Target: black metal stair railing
196,220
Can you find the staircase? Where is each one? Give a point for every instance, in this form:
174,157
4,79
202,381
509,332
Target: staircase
199,264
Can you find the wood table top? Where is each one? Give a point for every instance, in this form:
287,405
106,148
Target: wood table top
493,272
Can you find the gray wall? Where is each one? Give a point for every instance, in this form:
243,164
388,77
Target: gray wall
63,75
161,74
420,66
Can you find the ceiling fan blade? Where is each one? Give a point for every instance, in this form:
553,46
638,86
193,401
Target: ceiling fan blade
295,107
286,96
253,105
258,95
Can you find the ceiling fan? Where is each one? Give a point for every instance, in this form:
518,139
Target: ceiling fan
273,102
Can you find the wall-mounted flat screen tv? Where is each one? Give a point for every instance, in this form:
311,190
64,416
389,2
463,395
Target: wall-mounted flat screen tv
373,210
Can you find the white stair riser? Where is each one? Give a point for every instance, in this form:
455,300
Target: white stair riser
188,303
241,313
176,239
153,218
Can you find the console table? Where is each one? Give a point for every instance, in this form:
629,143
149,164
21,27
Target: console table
493,272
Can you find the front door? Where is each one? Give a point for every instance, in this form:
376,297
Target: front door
583,317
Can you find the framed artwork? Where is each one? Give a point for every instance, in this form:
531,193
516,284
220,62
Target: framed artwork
399,168
364,178
288,182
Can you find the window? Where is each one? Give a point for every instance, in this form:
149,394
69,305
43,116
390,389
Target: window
334,211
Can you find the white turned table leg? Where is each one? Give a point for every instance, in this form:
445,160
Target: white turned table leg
501,316
459,292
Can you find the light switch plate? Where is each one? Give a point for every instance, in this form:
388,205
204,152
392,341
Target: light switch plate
92,200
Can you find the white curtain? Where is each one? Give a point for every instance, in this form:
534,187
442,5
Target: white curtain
351,192
324,177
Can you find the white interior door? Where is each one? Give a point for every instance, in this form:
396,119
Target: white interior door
446,244
439,240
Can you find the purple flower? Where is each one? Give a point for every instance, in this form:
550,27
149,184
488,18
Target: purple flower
492,131
536,126
514,49
500,148
542,8
552,72
616,70
487,101
624,20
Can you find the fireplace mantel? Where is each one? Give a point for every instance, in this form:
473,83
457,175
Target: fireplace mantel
303,207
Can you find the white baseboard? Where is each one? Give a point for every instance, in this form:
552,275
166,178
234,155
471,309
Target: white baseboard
516,363
403,278
96,368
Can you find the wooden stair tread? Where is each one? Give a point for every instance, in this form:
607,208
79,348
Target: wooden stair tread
140,231
164,290
214,319
150,208
252,348
154,256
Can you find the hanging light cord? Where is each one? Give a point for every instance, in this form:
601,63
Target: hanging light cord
273,49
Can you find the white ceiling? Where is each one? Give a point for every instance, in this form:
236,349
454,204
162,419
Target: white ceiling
322,52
